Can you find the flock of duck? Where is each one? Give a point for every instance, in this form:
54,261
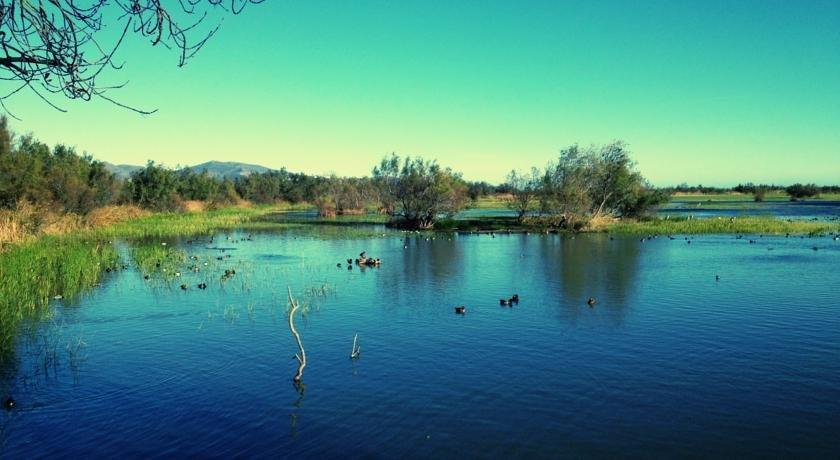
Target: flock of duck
363,261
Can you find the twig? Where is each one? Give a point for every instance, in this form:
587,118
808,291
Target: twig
301,357
356,351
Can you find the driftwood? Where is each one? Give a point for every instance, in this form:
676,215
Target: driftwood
301,357
357,350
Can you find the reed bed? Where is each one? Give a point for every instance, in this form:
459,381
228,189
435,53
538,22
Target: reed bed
744,225
35,271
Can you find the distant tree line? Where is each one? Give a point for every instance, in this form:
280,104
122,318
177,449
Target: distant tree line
583,183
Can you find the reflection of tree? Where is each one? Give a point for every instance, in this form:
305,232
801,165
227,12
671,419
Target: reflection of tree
590,266
426,262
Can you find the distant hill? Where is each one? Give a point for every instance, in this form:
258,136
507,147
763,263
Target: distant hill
229,169
121,171
219,169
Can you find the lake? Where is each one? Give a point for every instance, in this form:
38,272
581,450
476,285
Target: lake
669,361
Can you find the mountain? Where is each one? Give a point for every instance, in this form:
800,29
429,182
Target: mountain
218,169
121,171
229,169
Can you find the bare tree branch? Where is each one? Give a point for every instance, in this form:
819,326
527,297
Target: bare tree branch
301,356
58,46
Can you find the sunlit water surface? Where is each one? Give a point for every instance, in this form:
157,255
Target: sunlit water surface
668,362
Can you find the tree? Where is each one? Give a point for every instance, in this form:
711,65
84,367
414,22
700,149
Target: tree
386,177
63,46
418,192
799,191
612,176
523,187
155,187
568,185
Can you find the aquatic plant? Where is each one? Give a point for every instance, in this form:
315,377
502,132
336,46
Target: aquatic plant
746,225
33,272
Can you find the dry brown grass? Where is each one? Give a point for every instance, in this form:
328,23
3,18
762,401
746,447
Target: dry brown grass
12,229
193,206
53,223
600,223
28,221
108,215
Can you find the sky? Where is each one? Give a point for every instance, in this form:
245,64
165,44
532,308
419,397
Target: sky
711,92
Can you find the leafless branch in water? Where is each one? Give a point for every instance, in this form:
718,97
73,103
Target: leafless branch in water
301,355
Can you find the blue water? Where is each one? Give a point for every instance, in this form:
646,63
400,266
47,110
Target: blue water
668,362
798,210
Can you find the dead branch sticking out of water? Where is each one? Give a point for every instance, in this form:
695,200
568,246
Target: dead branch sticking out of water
301,357
357,350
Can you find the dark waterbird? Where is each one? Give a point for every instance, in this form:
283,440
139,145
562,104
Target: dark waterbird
202,285
591,301
460,310
183,287
505,302
9,403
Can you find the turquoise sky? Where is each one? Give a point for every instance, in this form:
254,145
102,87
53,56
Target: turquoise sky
704,92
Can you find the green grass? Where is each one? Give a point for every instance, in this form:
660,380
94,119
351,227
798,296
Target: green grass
34,272
489,202
745,225
155,258
194,223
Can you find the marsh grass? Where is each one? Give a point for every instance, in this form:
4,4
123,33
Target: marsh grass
35,271
156,258
745,225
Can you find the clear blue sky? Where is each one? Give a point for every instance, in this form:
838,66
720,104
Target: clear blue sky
712,92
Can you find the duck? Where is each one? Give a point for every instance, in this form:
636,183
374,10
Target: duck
202,285
504,302
460,310
9,403
515,298
183,287
717,277
591,301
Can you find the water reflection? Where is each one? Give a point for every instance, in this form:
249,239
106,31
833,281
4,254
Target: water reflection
597,266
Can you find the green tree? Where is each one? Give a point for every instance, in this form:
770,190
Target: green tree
155,187
523,188
800,192
418,192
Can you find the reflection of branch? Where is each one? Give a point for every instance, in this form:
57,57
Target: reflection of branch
301,357
301,389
